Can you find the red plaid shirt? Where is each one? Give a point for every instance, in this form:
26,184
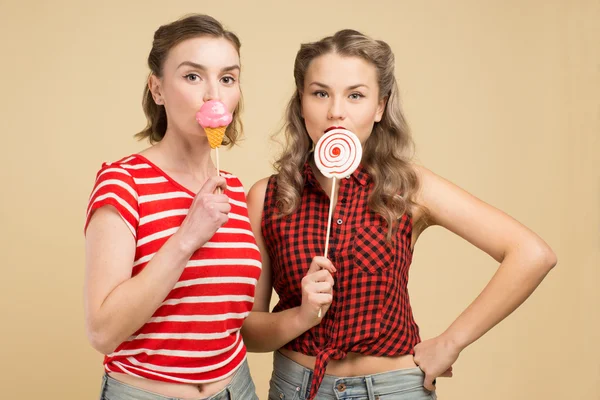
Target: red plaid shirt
370,313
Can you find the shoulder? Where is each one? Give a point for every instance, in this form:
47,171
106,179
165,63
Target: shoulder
117,174
234,183
231,177
444,201
127,169
430,185
257,192
130,163
426,181
423,174
116,186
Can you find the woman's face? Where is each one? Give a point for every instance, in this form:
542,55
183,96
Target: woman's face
195,71
341,92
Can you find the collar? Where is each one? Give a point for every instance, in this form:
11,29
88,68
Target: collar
360,174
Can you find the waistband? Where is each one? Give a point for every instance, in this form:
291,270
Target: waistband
369,386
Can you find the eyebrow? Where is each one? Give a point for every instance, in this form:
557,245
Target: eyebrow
324,86
203,68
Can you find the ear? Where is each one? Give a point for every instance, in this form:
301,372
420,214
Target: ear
155,89
380,109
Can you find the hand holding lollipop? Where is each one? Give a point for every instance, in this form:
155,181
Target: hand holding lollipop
214,118
337,155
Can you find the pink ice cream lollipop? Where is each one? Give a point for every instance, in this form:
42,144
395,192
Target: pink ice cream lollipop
214,118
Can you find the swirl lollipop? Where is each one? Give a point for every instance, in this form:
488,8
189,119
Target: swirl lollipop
337,155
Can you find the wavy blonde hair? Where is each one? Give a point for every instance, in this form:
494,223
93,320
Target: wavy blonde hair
387,153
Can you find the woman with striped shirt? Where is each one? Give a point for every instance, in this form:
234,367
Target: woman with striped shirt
171,262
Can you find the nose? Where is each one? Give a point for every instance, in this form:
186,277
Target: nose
336,110
212,92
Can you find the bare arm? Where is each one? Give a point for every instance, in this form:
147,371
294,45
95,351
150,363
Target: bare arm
117,304
264,331
524,259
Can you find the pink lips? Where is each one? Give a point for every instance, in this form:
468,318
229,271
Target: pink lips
333,127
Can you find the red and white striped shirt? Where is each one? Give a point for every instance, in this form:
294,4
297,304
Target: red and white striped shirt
194,336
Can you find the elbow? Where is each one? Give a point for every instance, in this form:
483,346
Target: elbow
251,345
251,348
545,258
254,341
550,259
100,340
257,348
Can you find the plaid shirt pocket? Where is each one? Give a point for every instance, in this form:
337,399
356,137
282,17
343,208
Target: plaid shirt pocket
373,253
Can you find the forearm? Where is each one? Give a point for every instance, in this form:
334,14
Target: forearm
265,331
132,303
517,277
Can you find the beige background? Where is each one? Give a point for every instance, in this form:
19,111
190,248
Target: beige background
503,100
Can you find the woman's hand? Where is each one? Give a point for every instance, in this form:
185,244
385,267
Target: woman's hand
208,212
317,290
435,358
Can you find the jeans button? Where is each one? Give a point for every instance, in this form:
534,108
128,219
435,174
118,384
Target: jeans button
341,387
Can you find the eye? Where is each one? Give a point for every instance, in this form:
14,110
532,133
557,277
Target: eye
192,77
320,94
356,96
228,80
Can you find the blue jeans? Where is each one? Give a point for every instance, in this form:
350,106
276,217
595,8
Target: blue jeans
291,381
241,387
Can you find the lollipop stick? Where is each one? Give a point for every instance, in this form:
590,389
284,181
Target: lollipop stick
331,206
217,159
218,170
328,226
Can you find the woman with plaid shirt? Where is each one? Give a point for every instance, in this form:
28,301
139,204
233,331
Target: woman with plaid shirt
366,344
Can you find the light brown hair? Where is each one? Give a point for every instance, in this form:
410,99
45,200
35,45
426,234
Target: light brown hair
165,38
387,153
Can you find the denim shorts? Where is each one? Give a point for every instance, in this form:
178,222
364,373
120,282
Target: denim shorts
241,387
291,381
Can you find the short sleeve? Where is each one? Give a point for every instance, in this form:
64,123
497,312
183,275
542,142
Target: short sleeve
115,187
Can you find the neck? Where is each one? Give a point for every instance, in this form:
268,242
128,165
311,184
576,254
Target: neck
326,183
185,154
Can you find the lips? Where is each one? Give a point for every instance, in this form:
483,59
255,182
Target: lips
333,127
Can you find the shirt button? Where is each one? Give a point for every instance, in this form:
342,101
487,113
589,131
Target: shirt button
339,221
348,177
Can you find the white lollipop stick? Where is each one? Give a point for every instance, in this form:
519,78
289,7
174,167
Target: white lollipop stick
328,226
337,155
217,159
218,170
330,215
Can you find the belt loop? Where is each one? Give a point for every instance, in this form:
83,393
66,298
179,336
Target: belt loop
306,379
104,384
369,385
